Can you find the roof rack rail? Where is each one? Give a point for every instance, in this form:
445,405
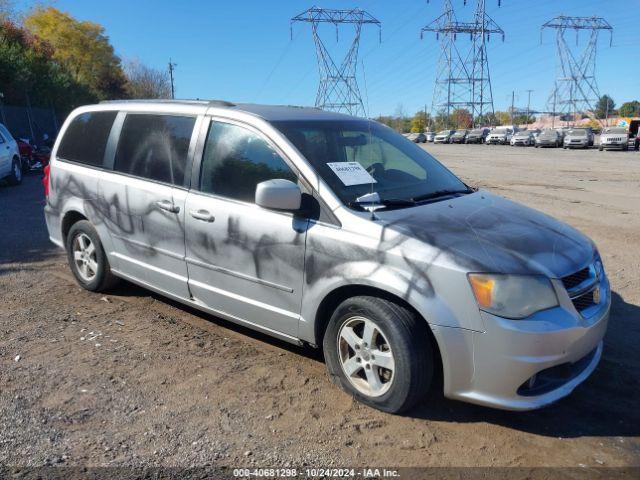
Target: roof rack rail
211,103
221,103
155,100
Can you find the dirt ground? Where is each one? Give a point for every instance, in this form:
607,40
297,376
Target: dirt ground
133,379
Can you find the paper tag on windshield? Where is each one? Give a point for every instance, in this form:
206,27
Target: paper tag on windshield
351,173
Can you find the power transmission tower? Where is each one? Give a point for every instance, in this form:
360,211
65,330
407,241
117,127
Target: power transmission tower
484,26
462,76
338,89
575,90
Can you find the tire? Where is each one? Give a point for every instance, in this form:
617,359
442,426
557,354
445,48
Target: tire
15,178
96,274
600,148
398,334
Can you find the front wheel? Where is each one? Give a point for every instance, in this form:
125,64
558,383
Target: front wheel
87,259
379,352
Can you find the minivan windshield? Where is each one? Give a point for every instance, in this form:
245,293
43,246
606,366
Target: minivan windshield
357,157
577,132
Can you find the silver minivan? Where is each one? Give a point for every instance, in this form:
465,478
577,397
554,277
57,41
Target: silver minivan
334,231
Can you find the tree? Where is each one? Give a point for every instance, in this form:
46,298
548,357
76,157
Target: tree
7,10
28,69
605,107
503,118
462,118
630,109
418,123
82,48
146,82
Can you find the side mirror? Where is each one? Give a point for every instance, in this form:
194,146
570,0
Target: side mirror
278,194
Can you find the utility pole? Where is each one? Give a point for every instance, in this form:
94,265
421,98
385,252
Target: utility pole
172,66
425,117
528,104
338,89
513,99
553,118
4,119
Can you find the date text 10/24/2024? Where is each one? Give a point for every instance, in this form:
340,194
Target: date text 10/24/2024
315,473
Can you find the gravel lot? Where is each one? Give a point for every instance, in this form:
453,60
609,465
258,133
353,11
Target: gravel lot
133,379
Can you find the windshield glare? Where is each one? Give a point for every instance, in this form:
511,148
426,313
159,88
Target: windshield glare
400,169
615,130
444,132
577,133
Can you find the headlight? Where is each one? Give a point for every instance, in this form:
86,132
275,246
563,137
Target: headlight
512,296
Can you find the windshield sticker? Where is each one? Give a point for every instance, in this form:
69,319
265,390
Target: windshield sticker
351,173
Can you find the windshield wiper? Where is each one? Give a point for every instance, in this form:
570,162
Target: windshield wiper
440,193
387,202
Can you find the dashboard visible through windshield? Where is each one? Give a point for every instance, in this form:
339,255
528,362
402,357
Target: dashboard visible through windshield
356,158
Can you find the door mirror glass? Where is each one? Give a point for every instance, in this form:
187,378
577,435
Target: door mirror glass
278,194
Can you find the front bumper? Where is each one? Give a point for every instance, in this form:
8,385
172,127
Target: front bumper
527,364
614,145
576,144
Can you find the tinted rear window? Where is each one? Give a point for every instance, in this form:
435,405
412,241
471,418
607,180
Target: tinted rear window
155,147
86,138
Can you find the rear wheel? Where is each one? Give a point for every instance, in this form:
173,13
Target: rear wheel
87,259
379,352
15,178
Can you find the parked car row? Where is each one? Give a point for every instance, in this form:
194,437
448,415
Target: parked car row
612,138
19,156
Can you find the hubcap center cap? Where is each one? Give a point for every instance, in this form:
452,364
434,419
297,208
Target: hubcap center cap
366,354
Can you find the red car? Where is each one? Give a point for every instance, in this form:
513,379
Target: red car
26,153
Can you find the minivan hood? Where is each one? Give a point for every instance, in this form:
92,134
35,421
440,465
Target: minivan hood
483,232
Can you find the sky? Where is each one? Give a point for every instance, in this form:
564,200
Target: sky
242,51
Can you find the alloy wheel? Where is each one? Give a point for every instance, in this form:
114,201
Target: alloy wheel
365,356
84,256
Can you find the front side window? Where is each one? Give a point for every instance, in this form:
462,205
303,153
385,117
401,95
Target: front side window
155,147
85,139
236,159
393,167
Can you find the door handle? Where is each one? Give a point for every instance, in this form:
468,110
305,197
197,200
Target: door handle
203,215
168,206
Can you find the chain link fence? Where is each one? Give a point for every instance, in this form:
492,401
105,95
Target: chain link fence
30,122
